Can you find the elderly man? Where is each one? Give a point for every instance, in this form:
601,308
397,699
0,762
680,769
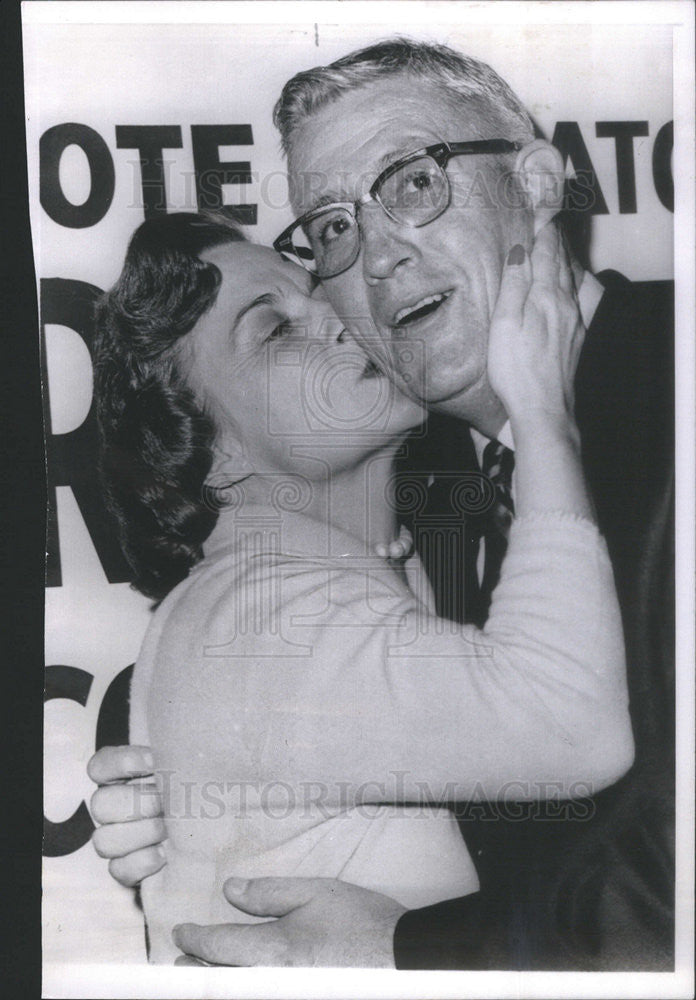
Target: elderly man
413,170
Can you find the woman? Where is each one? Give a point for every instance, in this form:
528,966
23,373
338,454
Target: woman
304,703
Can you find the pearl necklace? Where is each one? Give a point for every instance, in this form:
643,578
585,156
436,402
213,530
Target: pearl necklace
401,548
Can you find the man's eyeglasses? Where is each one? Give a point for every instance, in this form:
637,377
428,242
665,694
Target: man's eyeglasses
413,191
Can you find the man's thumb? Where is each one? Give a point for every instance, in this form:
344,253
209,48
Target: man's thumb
272,897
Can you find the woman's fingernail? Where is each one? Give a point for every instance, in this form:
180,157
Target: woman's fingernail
160,852
175,935
516,255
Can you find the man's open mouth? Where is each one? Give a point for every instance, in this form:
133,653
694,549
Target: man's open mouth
420,309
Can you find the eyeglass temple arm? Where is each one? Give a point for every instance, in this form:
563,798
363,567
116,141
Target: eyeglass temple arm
484,146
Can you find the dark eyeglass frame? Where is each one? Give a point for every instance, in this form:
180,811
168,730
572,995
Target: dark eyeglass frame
440,152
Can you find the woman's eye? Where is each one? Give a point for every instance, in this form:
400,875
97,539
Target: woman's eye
279,331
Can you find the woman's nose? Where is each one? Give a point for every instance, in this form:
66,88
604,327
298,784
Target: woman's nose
326,324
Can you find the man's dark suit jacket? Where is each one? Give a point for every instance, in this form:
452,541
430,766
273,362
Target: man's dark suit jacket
594,890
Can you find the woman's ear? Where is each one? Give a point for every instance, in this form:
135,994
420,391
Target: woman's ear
541,172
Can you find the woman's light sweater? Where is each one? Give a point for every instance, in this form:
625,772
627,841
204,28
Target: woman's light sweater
310,715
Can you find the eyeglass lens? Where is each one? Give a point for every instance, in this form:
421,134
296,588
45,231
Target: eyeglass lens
333,238
414,194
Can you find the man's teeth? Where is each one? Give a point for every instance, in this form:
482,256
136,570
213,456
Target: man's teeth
421,306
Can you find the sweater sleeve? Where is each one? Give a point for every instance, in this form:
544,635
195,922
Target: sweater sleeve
538,696
360,690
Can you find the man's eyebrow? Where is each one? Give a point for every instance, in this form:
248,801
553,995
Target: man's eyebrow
396,154
336,198
330,198
267,299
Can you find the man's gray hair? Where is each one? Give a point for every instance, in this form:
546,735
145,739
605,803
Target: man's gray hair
461,77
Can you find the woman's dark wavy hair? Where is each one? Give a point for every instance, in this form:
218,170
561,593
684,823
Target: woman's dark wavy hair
156,440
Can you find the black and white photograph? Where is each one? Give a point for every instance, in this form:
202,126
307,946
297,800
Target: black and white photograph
369,577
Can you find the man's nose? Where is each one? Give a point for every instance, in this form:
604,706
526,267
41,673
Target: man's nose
387,246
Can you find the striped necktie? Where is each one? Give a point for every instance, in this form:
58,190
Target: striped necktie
498,464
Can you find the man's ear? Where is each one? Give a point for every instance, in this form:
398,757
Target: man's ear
541,172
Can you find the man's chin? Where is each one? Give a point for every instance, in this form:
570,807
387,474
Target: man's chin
473,401
436,396
441,387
